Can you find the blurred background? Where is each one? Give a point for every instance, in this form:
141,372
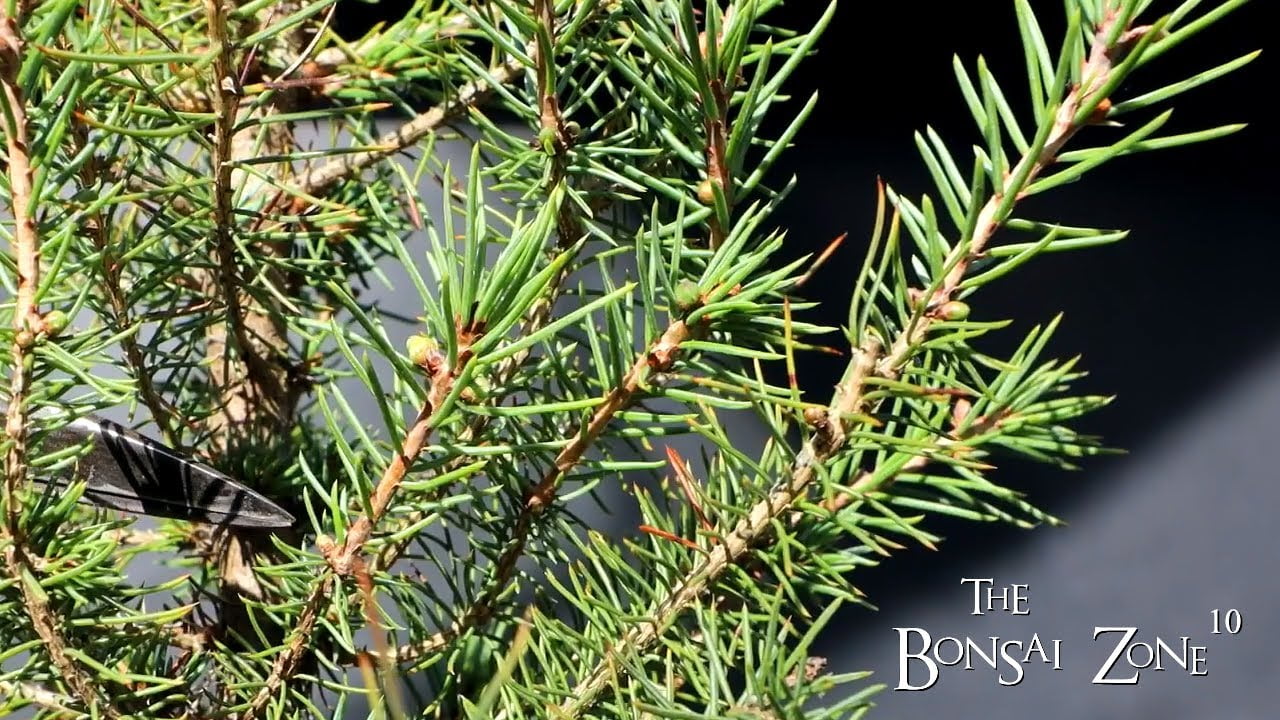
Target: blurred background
1179,321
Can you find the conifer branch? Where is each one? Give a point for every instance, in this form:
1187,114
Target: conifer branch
872,359
556,134
27,322
321,180
290,658
658,358
249,371
716,126
112,274
26,249
258,400
345,559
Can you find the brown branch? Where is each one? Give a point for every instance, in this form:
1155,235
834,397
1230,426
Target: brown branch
568,225
26,323
321,180
717,141
256,392
344,560
735,544
872,360
537,317
260,392
120,319
555,131
26,246
290,658
441,385
659,357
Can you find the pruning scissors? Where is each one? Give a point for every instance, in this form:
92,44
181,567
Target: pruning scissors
127,471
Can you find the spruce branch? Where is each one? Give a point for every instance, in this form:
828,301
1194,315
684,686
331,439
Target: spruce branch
873,358
658,358
26,317
718,92
557,141
554,134
345,560
113,270
733,545
259,399
319,181
27,323
248,367
112,273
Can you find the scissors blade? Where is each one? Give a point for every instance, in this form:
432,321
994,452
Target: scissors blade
127,471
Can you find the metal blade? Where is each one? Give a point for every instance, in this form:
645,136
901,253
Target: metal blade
126,471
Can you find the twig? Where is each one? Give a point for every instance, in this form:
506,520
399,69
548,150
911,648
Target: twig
322,179
568,225
659,357
120,319
258,379
26,246
342,561
872,360
716,127
26,322
40,696
380,500
537,317
287,661
249,373
736,544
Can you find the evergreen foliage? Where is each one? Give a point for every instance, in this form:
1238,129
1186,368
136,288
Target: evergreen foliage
576,301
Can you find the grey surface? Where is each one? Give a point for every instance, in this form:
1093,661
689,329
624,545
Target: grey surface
1177,528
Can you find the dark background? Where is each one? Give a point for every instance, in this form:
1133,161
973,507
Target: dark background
1179,321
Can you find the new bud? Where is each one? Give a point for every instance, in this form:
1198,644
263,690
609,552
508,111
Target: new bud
954,310
706,194
54,322
421,348
688,295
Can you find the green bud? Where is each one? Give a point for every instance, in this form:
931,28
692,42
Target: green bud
547,139
706,194
420,349
954,310
688,295
55,321
572,129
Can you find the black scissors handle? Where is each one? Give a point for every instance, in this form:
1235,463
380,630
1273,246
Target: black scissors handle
124,470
